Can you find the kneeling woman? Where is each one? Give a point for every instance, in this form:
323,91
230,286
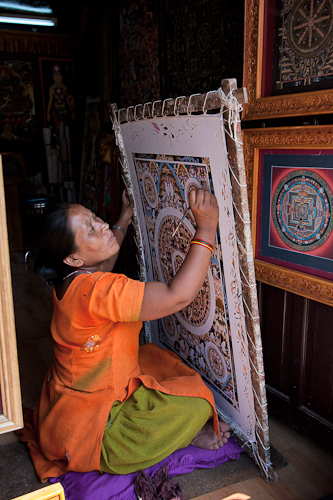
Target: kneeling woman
107,404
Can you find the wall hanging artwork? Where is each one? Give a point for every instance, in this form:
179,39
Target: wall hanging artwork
290,179
288,69
165,151
202,40
17,105
137,41
57,82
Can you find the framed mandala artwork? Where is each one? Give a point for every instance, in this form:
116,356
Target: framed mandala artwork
288,69
163,158
291,172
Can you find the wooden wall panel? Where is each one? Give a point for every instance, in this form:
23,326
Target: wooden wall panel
297,342
318,376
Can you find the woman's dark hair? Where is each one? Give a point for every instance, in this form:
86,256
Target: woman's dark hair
56,241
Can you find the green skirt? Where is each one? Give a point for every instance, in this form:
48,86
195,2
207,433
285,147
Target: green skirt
148,427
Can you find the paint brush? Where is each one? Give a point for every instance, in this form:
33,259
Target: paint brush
179,223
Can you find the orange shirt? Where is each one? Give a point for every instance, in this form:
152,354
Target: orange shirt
95,329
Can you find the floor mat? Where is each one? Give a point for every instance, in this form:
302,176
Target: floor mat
200,482
18,477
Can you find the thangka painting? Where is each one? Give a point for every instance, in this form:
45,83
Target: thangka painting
295,227
17,105
57,82
304,43
167,157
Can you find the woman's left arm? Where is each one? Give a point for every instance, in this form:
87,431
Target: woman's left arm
125,219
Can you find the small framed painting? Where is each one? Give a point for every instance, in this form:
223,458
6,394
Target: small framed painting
290,177
288,68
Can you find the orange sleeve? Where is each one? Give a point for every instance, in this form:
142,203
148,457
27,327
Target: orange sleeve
114,296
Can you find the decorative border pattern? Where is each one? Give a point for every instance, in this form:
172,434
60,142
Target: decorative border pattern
284,138
307,103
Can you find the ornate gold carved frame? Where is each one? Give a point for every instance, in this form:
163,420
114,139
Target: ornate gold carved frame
300,138
258,107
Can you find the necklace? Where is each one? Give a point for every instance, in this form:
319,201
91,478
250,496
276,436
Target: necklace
74,272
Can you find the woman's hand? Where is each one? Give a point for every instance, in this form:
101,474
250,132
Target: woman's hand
126,212
125,218
206,212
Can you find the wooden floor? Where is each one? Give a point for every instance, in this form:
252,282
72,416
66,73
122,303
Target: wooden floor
309,475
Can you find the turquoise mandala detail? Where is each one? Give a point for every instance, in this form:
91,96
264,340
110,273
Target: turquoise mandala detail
302,210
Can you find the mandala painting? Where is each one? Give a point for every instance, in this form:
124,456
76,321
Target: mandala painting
200,333
302,210
166,158
295,222
305,45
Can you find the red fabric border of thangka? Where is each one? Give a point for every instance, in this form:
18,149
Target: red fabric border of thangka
271,260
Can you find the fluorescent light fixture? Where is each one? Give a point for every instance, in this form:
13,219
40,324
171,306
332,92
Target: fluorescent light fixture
26,8
36,21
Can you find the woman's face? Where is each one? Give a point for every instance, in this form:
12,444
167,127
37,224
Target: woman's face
95,242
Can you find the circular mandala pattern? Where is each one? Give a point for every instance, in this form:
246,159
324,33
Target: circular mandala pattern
310,25
198,316
169,326
216,362
302,211
149,189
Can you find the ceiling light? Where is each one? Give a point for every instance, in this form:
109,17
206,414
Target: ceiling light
25,7
34,21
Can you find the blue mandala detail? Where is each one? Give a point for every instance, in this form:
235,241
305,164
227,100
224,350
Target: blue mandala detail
302,210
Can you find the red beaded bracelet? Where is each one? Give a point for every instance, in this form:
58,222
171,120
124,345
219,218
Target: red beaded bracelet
197,241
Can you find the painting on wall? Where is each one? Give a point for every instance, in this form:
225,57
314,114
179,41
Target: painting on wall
138,52
303,46
290,176
203,43
296,211
288,68
57,83
17,105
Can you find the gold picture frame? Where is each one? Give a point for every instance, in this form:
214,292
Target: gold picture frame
304,140
316,102
11,417
52,492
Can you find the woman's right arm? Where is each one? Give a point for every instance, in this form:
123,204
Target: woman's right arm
161,299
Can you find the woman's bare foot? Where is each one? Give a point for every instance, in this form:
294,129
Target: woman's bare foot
207,438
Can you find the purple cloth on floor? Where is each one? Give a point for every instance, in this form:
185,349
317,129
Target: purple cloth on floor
95,486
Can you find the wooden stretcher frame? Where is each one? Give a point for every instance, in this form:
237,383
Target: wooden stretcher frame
202,103
11,417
